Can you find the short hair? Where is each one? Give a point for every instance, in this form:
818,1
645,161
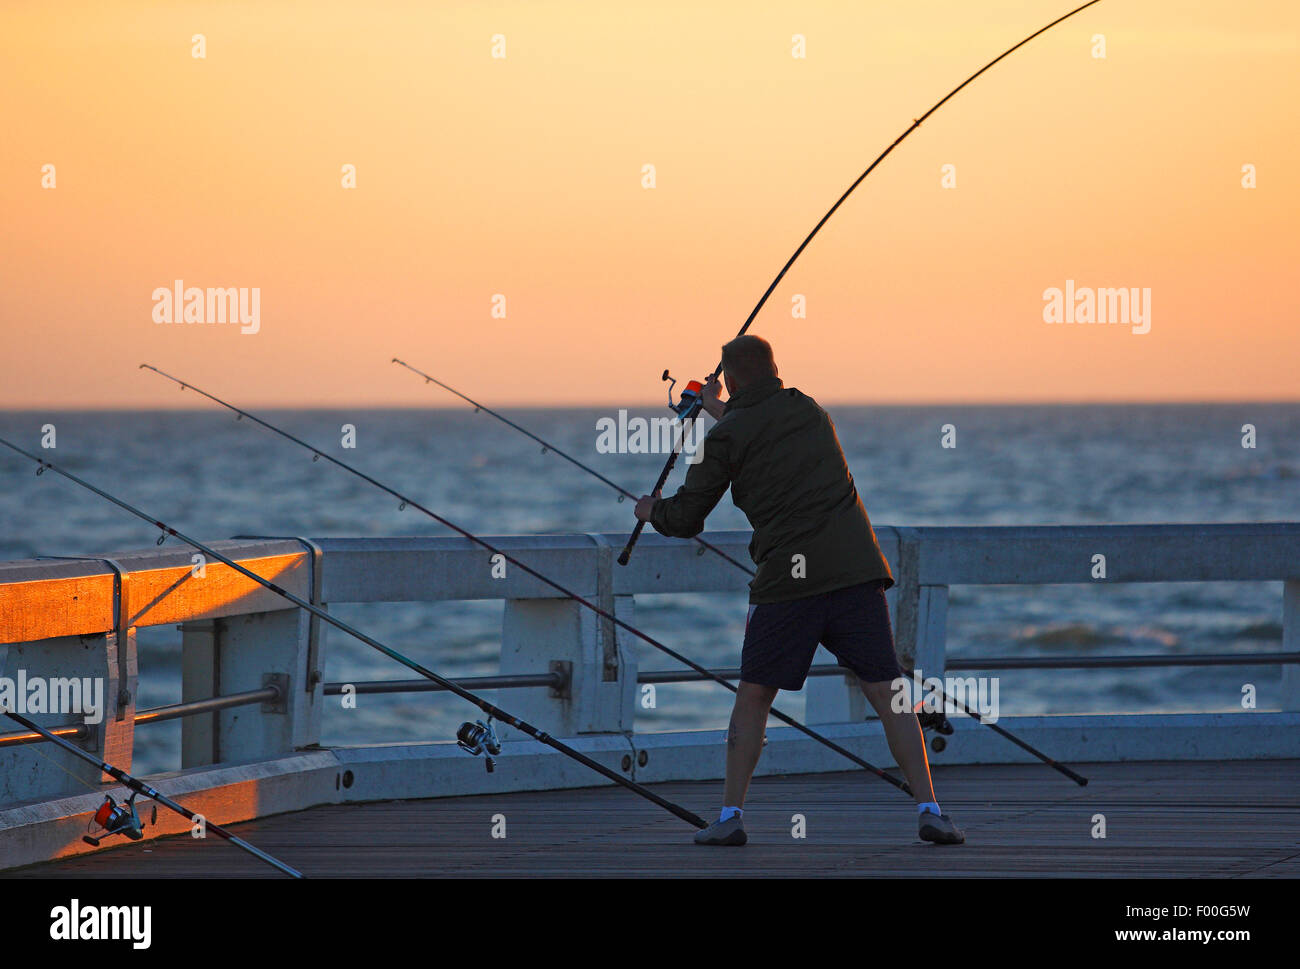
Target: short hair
747,359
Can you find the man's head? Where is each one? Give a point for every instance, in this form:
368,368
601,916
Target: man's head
746,360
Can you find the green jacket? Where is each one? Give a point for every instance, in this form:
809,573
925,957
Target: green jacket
778,451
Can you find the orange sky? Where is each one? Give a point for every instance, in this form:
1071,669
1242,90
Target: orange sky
522,176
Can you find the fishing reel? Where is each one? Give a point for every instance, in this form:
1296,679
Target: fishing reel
936,721
692,396
478,738
114,818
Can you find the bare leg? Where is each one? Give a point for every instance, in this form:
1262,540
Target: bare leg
906,741
745,739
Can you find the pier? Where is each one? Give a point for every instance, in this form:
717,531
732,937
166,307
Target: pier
253,699
1219,819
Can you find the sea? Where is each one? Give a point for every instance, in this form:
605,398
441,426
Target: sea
214,477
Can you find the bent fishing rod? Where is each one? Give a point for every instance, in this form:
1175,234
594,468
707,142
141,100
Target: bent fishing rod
692,401
122,819
564,591
547,446
493,711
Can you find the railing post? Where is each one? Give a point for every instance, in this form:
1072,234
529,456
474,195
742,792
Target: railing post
833,699
250,652
920,612
930,647
906,596
1291,643
199,680
540,635
101,659
107,663
114,736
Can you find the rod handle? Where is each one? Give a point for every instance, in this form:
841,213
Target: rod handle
626,554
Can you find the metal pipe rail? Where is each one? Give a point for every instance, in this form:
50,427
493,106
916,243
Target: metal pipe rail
554,681
272,694
730,673
268,694
174,711
18,739
557,680
1119,662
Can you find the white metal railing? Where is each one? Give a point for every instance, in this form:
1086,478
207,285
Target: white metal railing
68,618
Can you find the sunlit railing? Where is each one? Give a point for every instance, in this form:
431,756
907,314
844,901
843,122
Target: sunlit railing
253,693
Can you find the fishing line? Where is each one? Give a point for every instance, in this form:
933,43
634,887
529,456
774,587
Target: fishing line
567,593
690,408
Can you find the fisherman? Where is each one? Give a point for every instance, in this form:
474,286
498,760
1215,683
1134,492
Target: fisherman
821,576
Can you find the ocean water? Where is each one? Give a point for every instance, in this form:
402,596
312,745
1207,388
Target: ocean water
213,477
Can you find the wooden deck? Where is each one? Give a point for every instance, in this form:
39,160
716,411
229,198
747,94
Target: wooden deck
1215,819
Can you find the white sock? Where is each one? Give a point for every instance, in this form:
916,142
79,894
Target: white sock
730,812
931,806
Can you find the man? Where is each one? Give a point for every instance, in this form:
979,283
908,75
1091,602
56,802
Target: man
821,577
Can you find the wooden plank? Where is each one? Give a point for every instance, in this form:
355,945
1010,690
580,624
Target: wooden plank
1216,819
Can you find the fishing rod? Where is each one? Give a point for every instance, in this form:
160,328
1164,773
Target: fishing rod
547,446
472,737
566,592
122,819
692,401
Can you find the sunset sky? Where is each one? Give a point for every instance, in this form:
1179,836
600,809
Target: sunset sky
522,176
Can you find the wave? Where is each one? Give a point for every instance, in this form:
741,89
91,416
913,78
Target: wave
1069,634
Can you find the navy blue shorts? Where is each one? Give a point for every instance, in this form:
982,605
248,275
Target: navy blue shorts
853,623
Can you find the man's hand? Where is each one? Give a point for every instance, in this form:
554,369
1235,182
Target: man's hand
709,399
645,506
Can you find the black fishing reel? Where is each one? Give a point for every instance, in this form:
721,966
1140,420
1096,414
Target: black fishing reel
114,818
936,721
692,396
479,738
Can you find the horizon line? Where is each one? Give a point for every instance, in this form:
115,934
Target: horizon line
1030,402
